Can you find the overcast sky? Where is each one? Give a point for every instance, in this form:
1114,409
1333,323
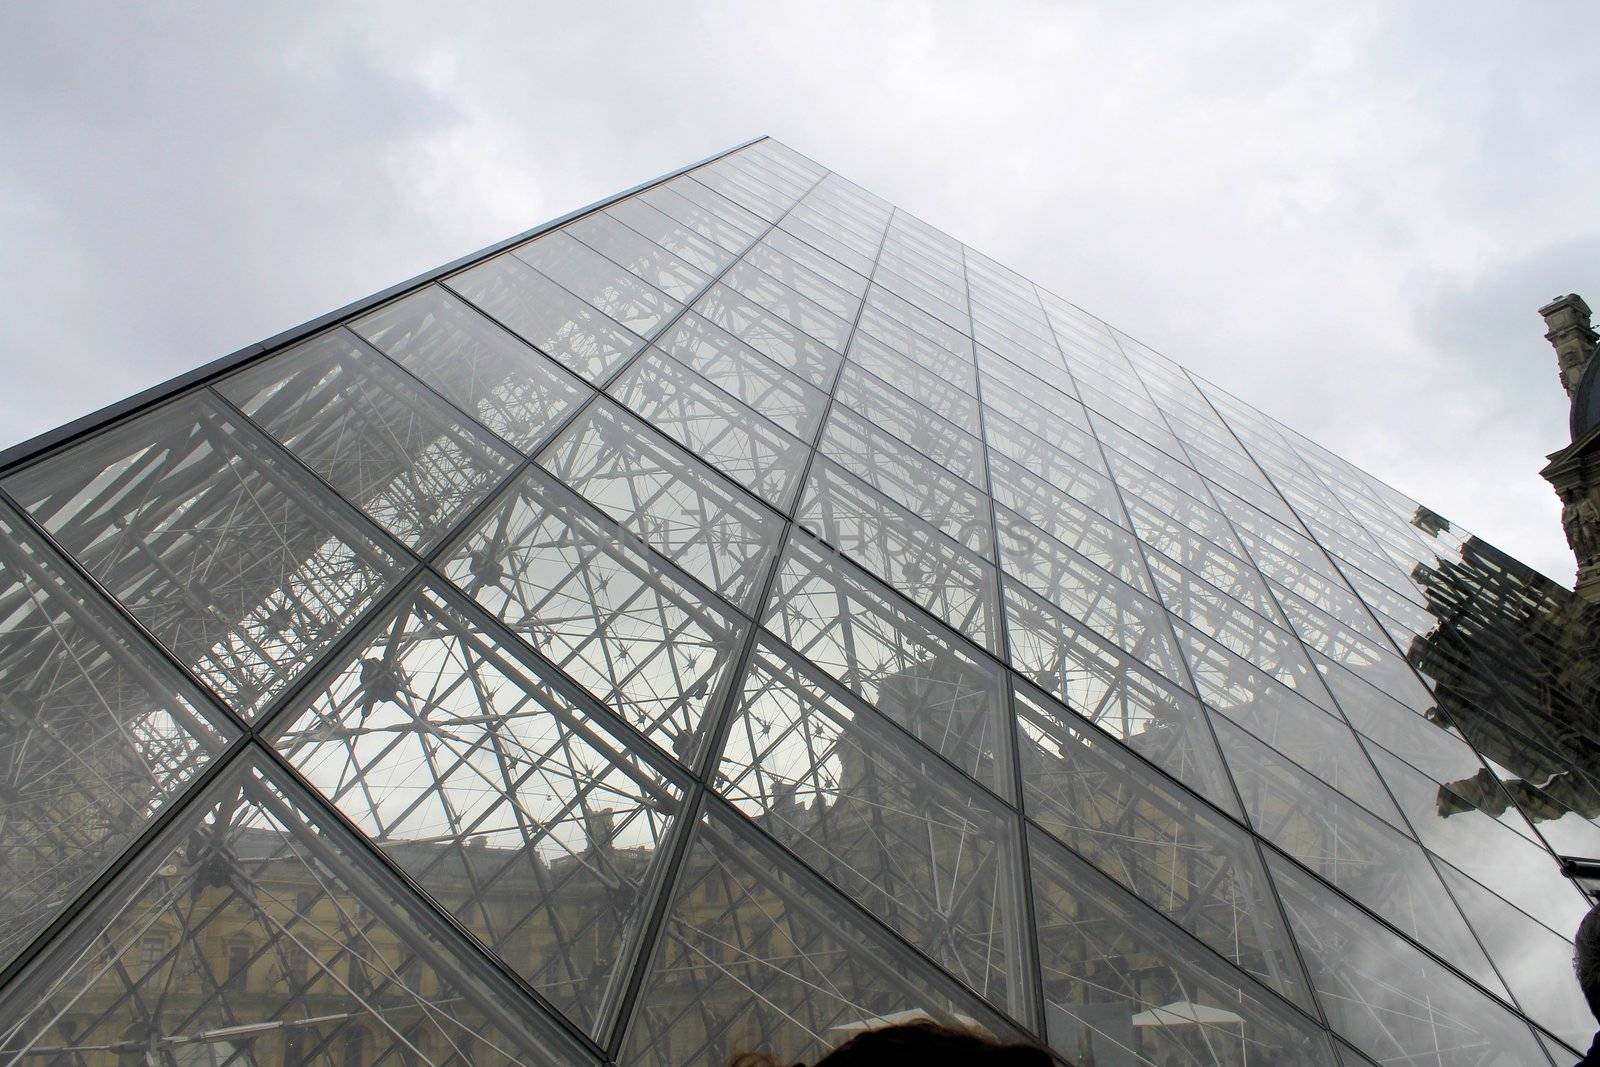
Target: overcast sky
1347,214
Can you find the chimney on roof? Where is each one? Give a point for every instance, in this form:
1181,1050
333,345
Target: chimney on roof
1566,319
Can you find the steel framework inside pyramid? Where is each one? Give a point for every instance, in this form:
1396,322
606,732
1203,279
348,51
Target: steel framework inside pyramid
739,614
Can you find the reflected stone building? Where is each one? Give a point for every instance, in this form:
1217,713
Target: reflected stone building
737,614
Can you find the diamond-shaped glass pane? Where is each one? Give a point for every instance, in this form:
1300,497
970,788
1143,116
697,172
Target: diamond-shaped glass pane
232,557
510,802
97,734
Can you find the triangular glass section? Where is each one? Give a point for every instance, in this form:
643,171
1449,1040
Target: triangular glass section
521,811
1154,839
96,735
1123,987
756,955
252,932
608,612
895,829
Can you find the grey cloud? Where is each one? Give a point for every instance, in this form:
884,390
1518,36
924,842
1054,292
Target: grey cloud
1343,226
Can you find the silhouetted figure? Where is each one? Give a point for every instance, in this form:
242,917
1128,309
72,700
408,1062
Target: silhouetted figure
919,1044
1586,960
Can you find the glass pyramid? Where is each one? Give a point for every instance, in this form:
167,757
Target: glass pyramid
737,614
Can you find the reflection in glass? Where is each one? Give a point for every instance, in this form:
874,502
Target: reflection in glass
252,932
588,598
96,735
515,807
757,955
233,558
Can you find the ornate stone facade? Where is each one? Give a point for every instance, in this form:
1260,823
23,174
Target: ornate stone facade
1574,471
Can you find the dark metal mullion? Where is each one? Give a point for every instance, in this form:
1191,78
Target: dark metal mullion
1029,946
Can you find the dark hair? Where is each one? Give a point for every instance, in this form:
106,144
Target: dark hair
920,1043
1586,959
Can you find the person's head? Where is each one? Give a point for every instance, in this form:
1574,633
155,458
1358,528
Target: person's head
920,1043
1586,959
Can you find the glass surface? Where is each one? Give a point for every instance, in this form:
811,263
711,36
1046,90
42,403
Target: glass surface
1121,986
582,593
96,735
907,477
757,955
788,347
791,402
478,366
598,282
920,675
517,808
545,315
864,806
902,549
379,439
649,261
254,932
713,426
1389,999
1153,839
237,561
668,500
740,615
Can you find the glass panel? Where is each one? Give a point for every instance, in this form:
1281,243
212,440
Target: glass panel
546,315
1153,838
801,279
476,365
1508,863
1368,859
897,832
1318,741
713,426
894,544
907,477
756,955
684,241
959,452
934,393
1072,584
1535,961
380,440
514,806
1106,686
234,559
644,258
1390,1000
1023,499
97,734
730,227
597,281
1122,987
743,372
921,676
252,932
780,342
799,311
624,627
661,495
